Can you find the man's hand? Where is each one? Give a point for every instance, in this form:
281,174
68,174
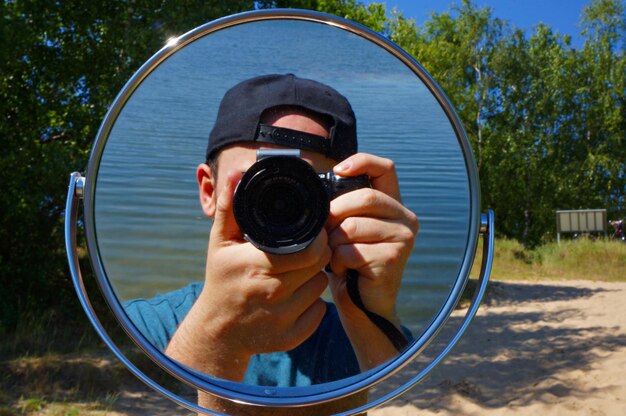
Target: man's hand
370,231
252,302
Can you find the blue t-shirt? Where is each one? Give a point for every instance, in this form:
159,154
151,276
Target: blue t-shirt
325,356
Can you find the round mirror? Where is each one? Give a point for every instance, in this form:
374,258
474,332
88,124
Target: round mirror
147,232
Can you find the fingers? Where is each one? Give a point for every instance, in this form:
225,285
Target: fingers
296,276
356,256
292,281
309,292
316,255
347,256
297,315
225,226
368,203
381,171
307,322
369,230
308,306
279,276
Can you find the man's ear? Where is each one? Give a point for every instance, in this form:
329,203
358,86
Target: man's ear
206,189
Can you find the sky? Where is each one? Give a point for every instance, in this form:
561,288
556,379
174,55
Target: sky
562,16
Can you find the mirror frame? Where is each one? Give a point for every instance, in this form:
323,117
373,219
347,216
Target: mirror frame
85,187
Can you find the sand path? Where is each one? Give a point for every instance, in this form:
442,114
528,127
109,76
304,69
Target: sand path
549,348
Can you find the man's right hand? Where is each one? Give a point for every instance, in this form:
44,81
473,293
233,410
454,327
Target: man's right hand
252,302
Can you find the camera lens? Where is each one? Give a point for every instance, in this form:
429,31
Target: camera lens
281,204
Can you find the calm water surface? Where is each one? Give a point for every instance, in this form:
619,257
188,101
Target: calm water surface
152,235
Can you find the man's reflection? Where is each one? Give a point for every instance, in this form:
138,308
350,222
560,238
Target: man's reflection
258,317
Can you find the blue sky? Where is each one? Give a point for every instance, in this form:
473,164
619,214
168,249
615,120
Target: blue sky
562,16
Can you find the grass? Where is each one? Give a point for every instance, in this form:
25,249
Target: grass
39,406
581,259
34,404
31,383
86,383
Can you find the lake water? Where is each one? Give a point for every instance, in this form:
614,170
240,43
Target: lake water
152,235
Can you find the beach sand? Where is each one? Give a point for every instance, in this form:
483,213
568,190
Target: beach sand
535,348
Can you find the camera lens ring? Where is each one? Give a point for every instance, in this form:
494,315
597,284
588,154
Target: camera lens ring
281,204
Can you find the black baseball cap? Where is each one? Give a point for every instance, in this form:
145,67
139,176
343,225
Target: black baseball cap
239,115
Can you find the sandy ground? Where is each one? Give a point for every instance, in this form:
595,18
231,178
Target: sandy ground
551,348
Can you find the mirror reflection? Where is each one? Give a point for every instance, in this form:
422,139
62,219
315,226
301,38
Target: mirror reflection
182,281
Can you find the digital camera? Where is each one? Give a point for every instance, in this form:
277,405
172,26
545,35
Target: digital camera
281,203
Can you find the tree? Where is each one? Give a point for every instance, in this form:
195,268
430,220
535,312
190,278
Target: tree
546,121
602,98
524,168
62,64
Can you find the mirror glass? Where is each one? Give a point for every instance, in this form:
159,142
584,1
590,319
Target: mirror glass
151,232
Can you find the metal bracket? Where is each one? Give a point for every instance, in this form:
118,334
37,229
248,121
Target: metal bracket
263,153
79,186
485,222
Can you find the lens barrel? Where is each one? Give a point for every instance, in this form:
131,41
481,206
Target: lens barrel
281,204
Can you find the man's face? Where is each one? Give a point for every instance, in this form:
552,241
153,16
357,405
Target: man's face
241,156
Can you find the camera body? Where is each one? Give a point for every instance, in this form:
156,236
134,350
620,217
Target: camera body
281,203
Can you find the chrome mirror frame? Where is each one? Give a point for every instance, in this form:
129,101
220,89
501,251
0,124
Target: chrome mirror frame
83,188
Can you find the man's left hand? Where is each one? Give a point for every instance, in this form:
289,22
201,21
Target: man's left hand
370,231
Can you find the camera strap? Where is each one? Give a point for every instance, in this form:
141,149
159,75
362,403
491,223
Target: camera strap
397,338
293,138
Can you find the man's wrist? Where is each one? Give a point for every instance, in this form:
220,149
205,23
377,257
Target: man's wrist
204,348
371,345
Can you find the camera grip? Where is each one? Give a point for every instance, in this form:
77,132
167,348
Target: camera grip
344,184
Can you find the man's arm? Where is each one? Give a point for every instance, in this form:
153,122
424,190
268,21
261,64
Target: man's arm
370,231
252,302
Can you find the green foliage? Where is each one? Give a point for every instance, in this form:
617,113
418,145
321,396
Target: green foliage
61,65
547,122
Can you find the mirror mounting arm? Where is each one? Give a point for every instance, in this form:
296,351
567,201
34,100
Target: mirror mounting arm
487,230
76,194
